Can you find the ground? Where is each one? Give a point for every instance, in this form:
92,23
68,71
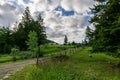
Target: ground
8,68
82,65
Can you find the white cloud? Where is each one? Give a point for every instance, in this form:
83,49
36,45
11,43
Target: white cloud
2,2
8,14
52,4
72,26
57,25
80,6
67,4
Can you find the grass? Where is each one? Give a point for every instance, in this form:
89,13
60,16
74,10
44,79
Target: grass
83,65
5,58
46,50
52,49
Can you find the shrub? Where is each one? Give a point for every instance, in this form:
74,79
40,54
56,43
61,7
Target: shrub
60,57
27,54
14,52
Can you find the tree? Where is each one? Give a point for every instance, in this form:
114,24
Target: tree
33,45
19,35
6,40
73,43
106,21
26,25
40,29
33,41
89,36
65,40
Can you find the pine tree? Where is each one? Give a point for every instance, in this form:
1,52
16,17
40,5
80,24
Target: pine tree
89,35
40,29
107,27
26,25
6,40
65,40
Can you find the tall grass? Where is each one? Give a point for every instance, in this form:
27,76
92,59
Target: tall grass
22,55
79,66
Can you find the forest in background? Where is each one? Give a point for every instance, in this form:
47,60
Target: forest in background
18,37
105,37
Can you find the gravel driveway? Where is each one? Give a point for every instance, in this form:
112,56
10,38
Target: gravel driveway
9,68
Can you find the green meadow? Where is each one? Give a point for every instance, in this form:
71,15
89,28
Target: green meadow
81,65
46,50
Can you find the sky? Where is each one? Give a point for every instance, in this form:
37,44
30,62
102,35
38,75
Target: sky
61,17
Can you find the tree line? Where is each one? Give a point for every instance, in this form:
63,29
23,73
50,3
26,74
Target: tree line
106,20
19,36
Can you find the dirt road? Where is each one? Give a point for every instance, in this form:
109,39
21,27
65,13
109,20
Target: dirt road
9,68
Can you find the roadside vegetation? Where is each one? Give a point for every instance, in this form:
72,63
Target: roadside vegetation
46,50
82,65
23,41
99,58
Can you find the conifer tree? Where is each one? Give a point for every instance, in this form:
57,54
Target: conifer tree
107,26
65,40
89,35
26,25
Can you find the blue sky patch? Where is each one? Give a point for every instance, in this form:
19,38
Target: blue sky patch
64,12
49,1
26,1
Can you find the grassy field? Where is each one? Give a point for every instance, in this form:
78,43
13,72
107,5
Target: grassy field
83,65
4,58
46,50
53,48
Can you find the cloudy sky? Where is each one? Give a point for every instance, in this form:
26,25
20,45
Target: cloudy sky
61,17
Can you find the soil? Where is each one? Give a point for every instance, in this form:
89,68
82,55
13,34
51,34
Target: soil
9,68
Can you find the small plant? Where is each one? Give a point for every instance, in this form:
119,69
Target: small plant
14,53
27,54
33,41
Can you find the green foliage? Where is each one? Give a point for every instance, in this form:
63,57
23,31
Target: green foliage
79,66
26,55
65,40
25,26
14,52
33,41
19,35
89,35
6,41
53,49
60,57
23,29
106,36
5,58
47,50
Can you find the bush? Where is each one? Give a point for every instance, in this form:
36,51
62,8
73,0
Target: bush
60,57
14,52
14,58
27,54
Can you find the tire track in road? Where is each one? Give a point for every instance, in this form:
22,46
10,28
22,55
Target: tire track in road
9,68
